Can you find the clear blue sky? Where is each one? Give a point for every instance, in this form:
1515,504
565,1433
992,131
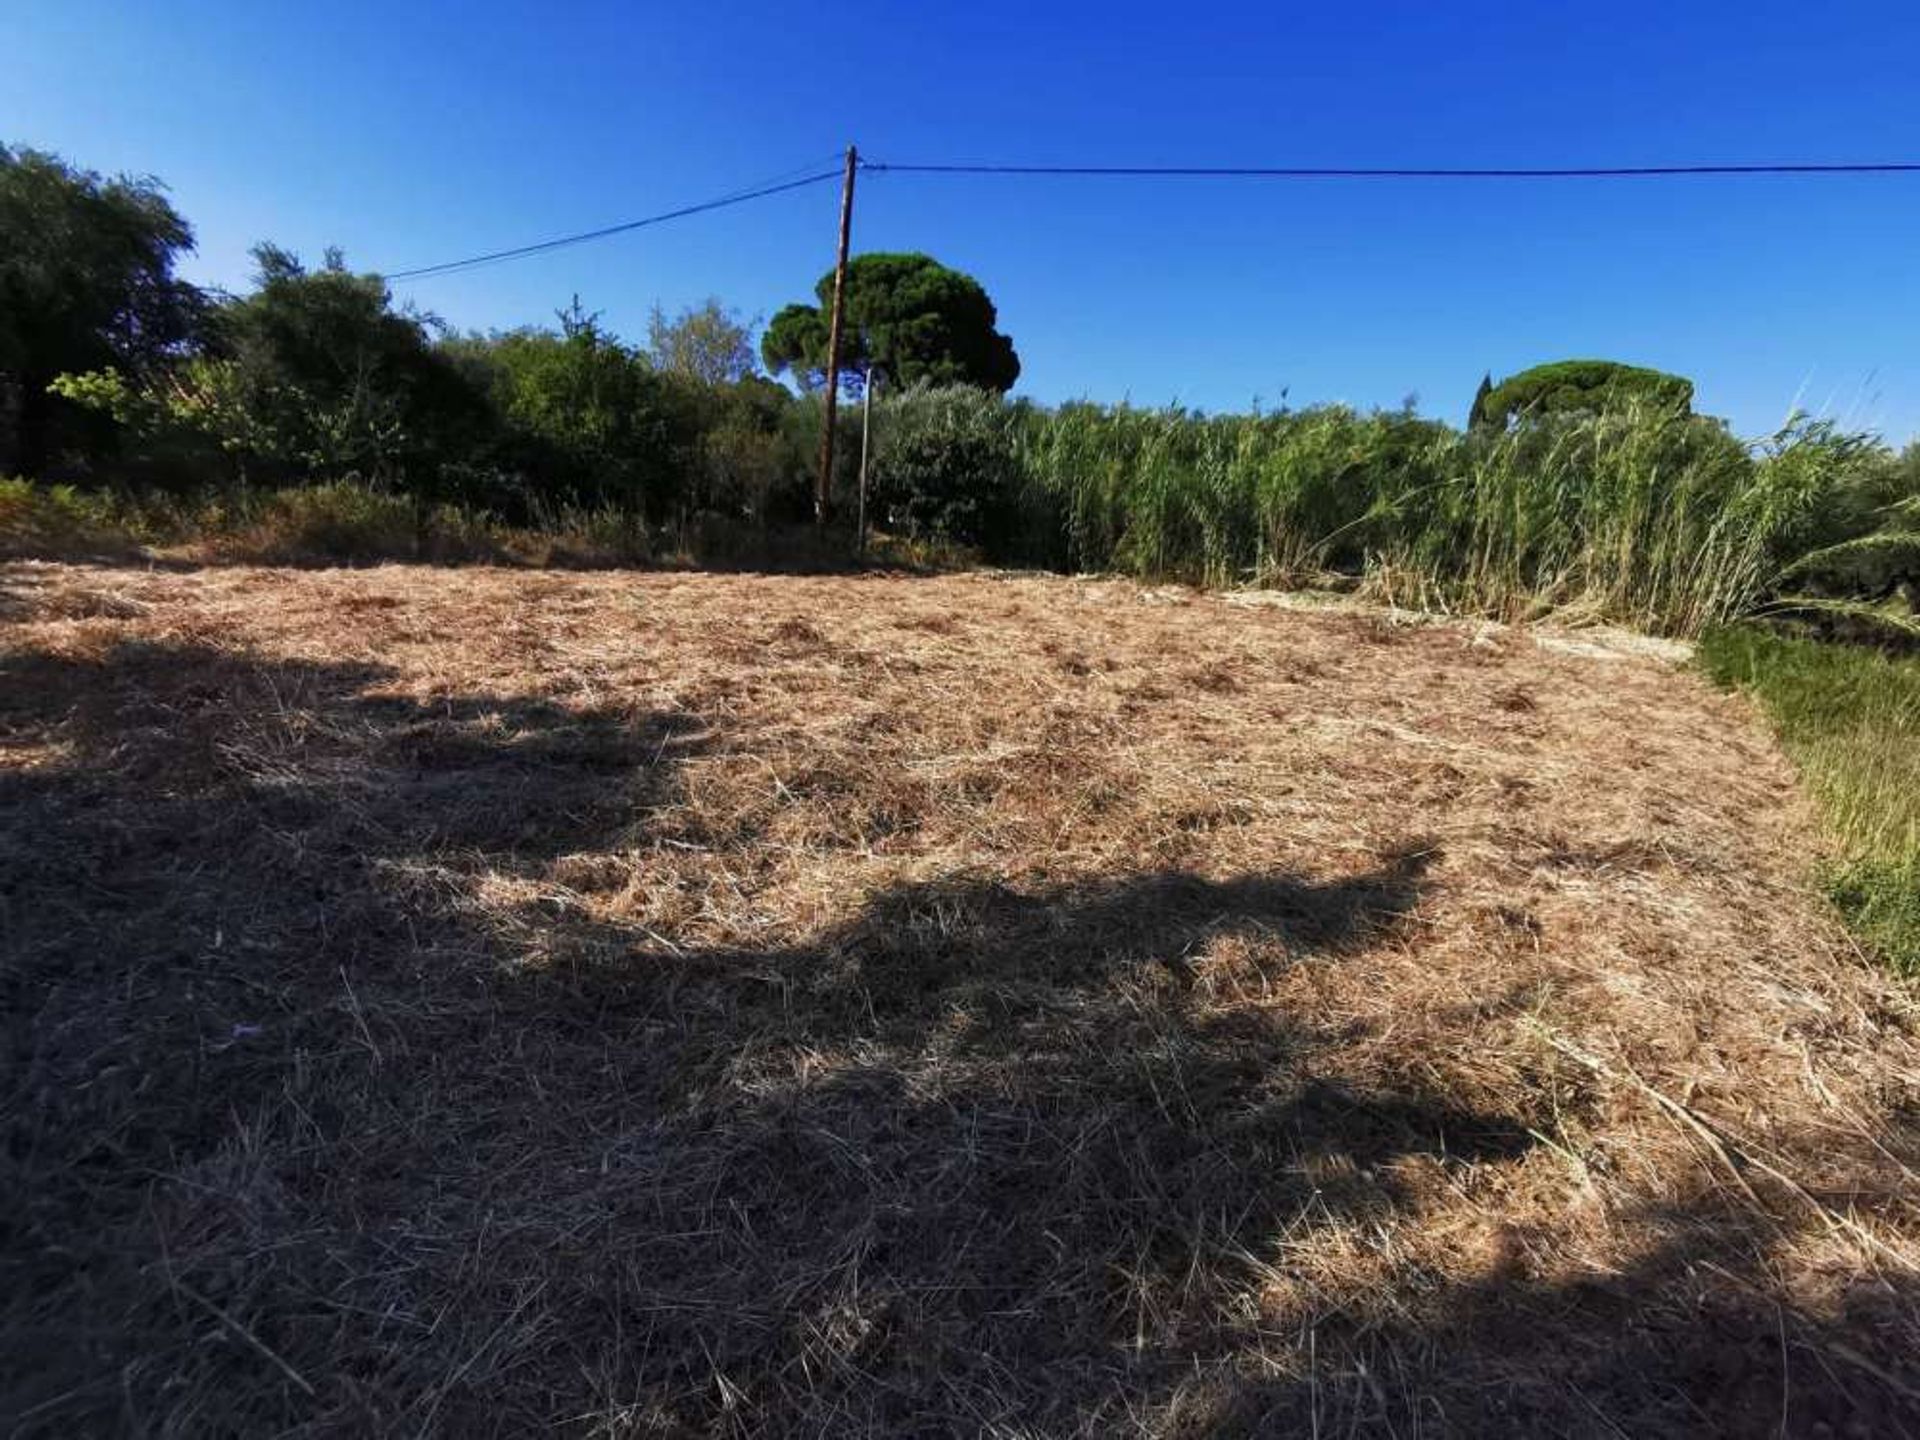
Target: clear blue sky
410,134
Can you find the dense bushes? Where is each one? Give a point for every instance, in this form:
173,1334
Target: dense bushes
315,378
950,463
574,414
329,380
1644,515
1224,498
52,519
351,522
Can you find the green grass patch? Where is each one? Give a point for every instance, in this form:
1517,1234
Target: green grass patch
57,519
1850,718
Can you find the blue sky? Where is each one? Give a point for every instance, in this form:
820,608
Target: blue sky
411,134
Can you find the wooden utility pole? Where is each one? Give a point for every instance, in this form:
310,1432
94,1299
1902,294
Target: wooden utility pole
821,494
866,428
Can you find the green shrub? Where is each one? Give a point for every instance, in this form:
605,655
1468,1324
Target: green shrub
58,522
754,462
1857,570
581,417
582,537
1222,499
945,464
342,521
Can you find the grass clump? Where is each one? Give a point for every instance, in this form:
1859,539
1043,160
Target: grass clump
339,520
1850,717
61,519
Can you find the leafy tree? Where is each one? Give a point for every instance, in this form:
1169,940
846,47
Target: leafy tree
582,415
181,426
1576,386
86,282
909,317
707,343
336,382
755,462
1478,415
796,339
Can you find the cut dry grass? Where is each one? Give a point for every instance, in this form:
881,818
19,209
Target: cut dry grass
474,1001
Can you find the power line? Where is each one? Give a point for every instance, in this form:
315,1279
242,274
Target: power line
780,185
805,167
1401,172
738,197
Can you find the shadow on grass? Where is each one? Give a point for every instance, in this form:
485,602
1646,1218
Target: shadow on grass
328,1111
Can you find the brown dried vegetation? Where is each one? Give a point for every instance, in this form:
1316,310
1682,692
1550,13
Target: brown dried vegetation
476,1001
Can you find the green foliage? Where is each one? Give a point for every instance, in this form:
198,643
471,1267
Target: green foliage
1223,499
707,344
336,383
796,340
580,416
341,522
1217,499
754,461
1857,569
337,521
1480,415
1850,718
1644,516
946,464
59,520
182,427
911,319
313,375
1569,387
86,282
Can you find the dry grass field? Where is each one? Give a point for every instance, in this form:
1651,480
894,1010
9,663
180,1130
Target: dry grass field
475,1002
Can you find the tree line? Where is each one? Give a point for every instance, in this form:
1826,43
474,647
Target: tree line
114,369
1583,483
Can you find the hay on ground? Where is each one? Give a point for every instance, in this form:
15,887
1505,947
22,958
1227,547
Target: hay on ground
476,1001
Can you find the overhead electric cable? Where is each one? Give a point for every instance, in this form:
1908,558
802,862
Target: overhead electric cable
1402,172
541,247
1199,172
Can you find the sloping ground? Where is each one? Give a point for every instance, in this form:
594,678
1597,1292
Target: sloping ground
470,1001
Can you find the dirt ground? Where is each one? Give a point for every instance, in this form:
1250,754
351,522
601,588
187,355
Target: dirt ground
476,1002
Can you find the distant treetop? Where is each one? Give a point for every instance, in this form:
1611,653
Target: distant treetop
1574,386
707,343
908,317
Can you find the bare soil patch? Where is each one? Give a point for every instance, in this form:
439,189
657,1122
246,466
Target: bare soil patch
471,1002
